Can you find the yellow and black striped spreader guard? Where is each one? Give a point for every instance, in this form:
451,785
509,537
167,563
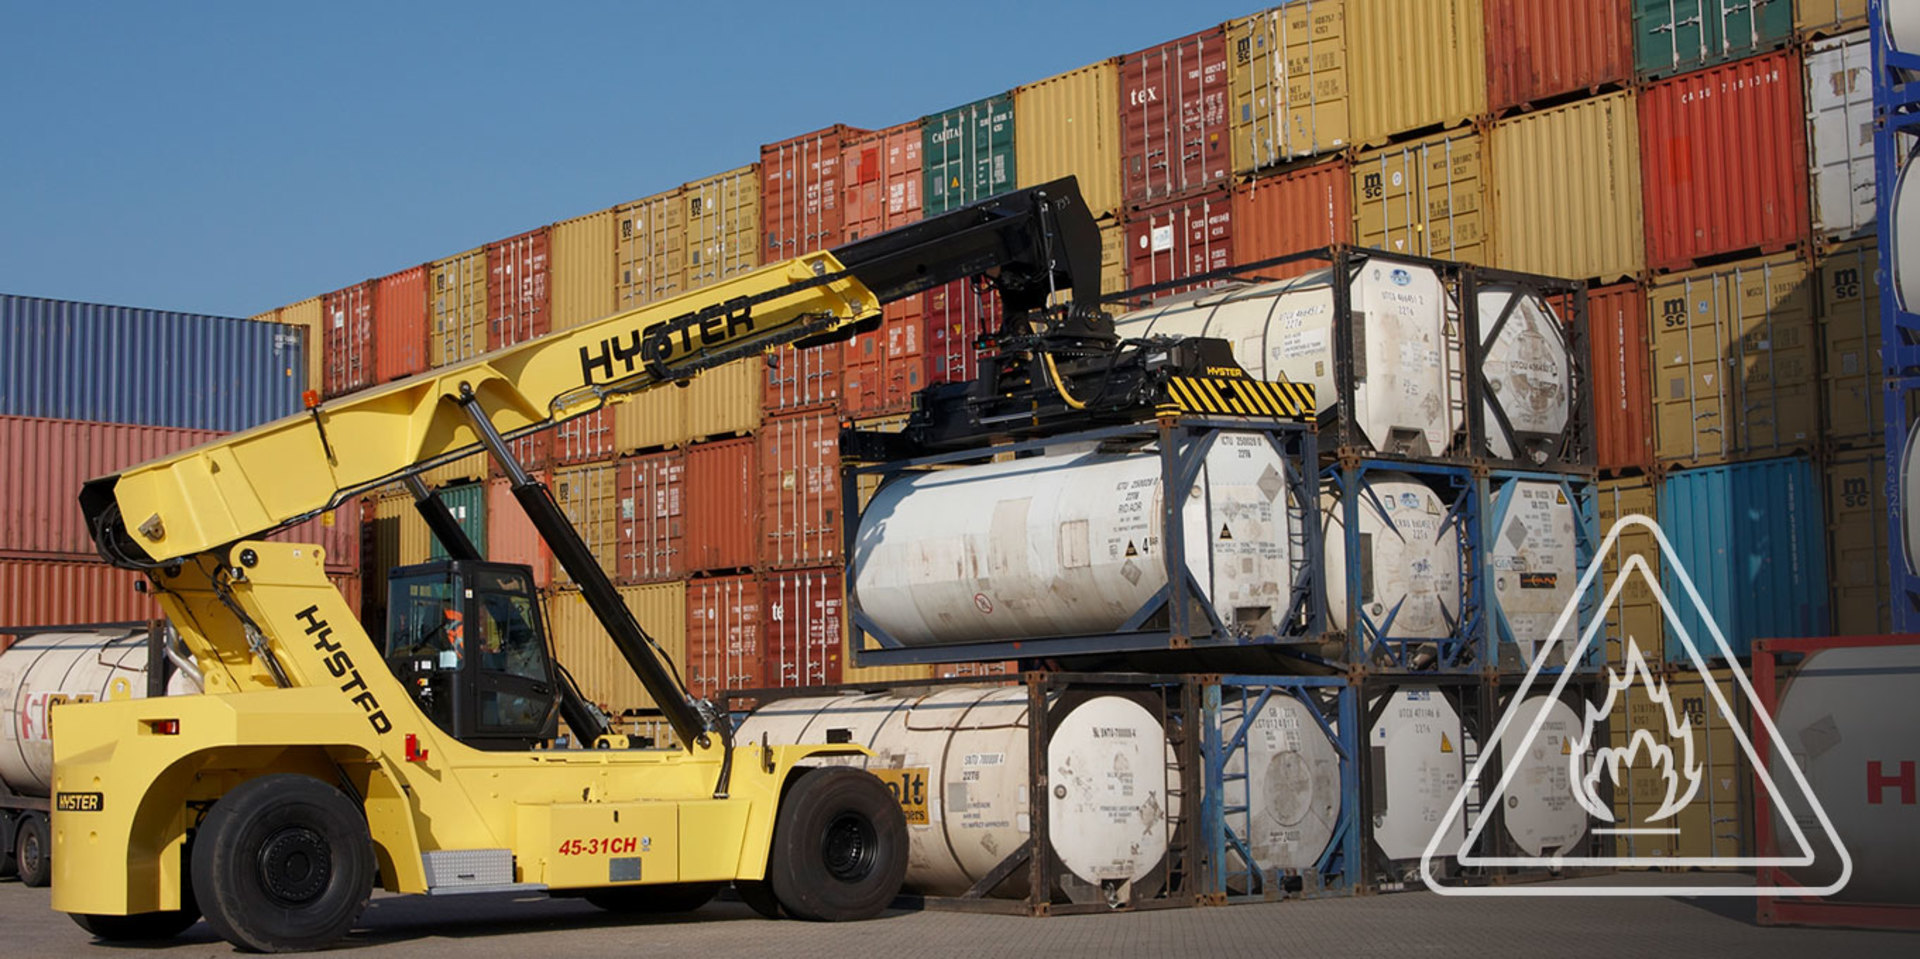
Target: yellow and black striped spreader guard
1238,396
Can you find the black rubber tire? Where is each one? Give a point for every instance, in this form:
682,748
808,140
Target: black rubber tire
283,863
839,847
665,898
758,895
33,850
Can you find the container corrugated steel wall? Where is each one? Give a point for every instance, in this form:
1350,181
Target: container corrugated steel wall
881,175
588,438
47,461
1636,612
1851,370
511,537
400,324
43,592
583,258
1183,238
394,530
1566,191
1734,372
1716,821
1724,161
652,518
968,153
589,495
1288,83
797,379
1426,197
1542,49
1070,125
722,215
1674,36
723,481
468,504
1414,66
955,317
347,343
519,288
1751,536
1856,489
800,194
649,250
1297,210
457,308
1840,135
799,463
305,315
1822,18
804,628
115,364
651,421
1623,397
722,402
467,469
880,371
724,643
1174,100
581,644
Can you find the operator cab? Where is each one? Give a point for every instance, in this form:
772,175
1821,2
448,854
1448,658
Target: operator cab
466,639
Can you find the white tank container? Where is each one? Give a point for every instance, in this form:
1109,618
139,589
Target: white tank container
1411,559
1292,789
1529,374
1071,543
1541,815
1910,499
46,668
1419,759
1536,564
1849,718
1108,762
1905,233
1407,348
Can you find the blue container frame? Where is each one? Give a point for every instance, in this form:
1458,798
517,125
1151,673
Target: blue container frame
1496,492
1896,132
1230,872
1367,642
1184,444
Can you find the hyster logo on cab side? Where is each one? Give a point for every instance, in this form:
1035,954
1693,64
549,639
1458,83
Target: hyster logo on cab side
340,664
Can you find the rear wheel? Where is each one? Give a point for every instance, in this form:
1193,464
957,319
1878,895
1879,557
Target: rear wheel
666,898
839,847
283,863
33,850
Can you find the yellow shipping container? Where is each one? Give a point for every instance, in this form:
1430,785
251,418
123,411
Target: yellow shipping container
721,402
653,420
457,308
395,522
722,215
1070,124
466,469
1426,197
649,237
1289,83
1414,65
1824,18
306,315
1113,256
589,495
1733,361
583,257
1566,191
1850,368
581,644
1717,820
1636,612
1857,545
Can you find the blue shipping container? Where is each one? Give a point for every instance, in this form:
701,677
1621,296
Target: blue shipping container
61,359
1750,535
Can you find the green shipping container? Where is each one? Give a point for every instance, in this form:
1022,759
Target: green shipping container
967,153
468,504
1674,36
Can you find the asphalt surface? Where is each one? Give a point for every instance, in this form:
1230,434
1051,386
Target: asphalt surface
1408,924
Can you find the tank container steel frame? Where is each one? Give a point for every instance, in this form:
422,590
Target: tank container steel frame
1496,493
1231,873
1498,843
1576,449
1472,698
1896,133
1183,444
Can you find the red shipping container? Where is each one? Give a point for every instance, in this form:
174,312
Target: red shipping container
1623,397
1174,103
346,318
651,514
722,480
803,633
884,368
800,193
881,174
584,439
511,537
348,585
802,379
957,316
1723,155
1539,50
400,324
518,297
1297,211
44,592
724,649
47,461
799,461
1180,239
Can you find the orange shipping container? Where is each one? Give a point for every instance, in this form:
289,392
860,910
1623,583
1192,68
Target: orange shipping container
1543,49
511,537
799,379
1623,398
955,317
519,273
882,370
799,461
48,460
347,339
1295,211
651,516
400,324
800,193
1173,118
41,592
804,627
724,649
720,509
882,174
1181,239
587,438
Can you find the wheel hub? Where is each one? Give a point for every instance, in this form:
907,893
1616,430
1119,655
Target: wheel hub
295,865
850,847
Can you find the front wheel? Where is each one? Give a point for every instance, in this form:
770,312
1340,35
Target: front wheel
283,863
33,850
839,846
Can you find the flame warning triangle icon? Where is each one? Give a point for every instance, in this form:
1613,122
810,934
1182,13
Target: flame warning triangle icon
1671,757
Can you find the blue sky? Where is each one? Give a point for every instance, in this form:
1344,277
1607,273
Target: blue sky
232,157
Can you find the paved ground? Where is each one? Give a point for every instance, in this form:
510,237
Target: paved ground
1401,925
